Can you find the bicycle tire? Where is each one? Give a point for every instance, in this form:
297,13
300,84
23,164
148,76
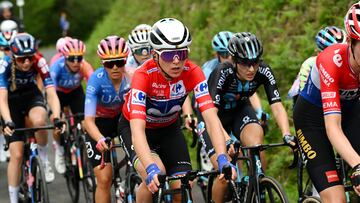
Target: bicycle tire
311,199
24,189
270,185
88,181
71,173
134,182
39,187
209,189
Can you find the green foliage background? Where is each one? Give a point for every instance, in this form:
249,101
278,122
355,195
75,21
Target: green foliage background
286,28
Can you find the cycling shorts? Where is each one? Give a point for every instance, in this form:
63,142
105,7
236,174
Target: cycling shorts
315,145
108,128
20,102
74,99
233,121
167,142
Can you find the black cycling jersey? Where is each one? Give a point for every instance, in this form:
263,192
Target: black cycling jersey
227,90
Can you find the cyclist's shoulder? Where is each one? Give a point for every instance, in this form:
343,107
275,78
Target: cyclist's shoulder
210,64
59,63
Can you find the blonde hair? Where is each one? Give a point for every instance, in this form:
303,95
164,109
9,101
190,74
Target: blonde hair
13,76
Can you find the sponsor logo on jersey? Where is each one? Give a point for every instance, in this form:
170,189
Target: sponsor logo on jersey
90,89
201,89
325,76
152,70
3,65
328,95
349,94
331,104
99,75
267,72
138,97
159,86
337,58
177,89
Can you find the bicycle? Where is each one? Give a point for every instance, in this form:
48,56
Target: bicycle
255,186
165,193
33,187
305,195
78,168
125,190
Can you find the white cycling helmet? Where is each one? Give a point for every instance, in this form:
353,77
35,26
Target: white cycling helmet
8,25
139,38
169,33
6,5
142,27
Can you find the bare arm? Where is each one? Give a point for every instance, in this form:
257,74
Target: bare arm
53,101
255,101
4,105
92,129
339,140
186,107
215,130
281,117
139,141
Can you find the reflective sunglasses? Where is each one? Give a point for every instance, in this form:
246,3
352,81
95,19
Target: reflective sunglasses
142,51
224,54
22,59
74,59
170,55
118,63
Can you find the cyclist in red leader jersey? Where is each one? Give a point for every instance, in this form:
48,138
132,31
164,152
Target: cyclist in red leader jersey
326,114
158,91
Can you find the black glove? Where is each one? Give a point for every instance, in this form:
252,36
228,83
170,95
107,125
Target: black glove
10,125
58,123
288,139
355,176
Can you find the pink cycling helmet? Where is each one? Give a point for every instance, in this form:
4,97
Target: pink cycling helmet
61,42
112,47
73,47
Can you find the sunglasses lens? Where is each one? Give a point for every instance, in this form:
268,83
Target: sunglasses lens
142,51
22,59
169,56
73,59
224,54
117,63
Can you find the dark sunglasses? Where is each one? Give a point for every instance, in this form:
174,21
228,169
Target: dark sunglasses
170,55
224,54
248,63
118,63
74,59
22,59
143,51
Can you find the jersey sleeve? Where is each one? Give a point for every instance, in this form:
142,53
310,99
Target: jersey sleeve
4,66
138,94
201,88
92,90
86,70
217,81
329,85
269,82
43,69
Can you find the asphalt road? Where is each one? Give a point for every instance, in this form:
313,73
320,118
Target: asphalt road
58,192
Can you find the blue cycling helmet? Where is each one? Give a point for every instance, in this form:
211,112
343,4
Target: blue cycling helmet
3,42
220,41
328,36
23,45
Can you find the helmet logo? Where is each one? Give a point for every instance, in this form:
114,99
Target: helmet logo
247,39
175,38
144,52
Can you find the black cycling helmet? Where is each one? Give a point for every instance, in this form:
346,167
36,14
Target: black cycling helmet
23,45
245,47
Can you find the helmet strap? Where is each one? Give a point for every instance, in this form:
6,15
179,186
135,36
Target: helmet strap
167,76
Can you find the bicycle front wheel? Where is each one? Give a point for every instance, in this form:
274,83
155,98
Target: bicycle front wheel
311,199
270,191
39,187
88,180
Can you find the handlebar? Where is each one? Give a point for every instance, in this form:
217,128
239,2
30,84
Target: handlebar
34,129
